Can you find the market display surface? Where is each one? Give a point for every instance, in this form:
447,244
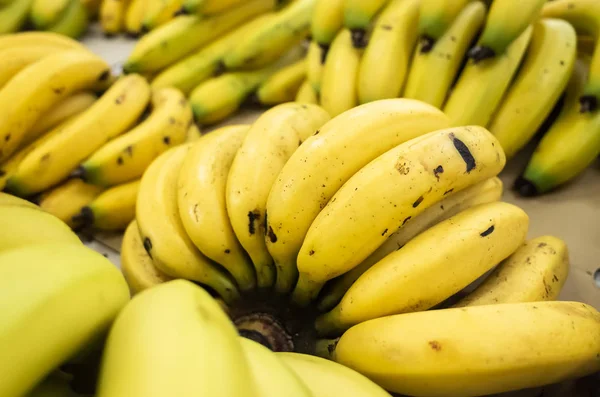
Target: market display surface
302,198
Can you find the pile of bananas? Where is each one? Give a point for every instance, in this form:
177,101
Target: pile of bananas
64,116
307,228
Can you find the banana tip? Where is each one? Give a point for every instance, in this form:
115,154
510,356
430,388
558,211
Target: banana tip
85,217
589,103
426,44
324,52
359,38
525,188
80,173
479,53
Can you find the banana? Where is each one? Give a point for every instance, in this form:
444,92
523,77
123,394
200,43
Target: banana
271,40
111,210
92,7
306,94
315,60
444,57
210,7
191,71
535,272
162,230
10,200
55,296
541,81
481,86
436,18
339,80
219,97
312,175
112,16
183,325
201,201
34,39
460,250
506,22
125,158
326,378
282,86
384,65
397,186
44,13
54,385
134,17
185,34
271,141
35,90
74,22
14,15
272,377
327,21
474,351
138,269
358,15
159,12
55,159
66,200
482,193
193,133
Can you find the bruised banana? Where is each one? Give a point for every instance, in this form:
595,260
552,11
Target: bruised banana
283,85
436,18
113,209
306,94
327,21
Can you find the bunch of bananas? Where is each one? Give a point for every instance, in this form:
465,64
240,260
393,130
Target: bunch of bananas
305,227
74,139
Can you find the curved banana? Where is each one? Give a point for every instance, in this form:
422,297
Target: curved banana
163,233
202,205
183,325
315,61
435,65
193,134
73,22
10,200
312,175
384,65
14,15
125,158
482,193
283,85
339,79
66,200
67,296
398,186
44,13
474,351
209,7
110,116
137,266
26,97
436,18
327,21
111,210
159,12
36,39
539,84
134,17
112,16
271,141
326,378
481,86
306,94
275,37
358,15
185,34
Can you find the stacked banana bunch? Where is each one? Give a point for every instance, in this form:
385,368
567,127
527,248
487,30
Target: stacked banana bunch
74,141
67,17
374,217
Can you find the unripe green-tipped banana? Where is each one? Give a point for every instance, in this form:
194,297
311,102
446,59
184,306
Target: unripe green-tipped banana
209,7
435,19
358,15
14,15
74,21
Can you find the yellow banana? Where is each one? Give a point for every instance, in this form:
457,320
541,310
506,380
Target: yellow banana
327,21
482,193
125,158
312,175
474,351
339,79
162,230
35,39
315,60
283,85
14,15
481,86
44,13
397,186
271,141
384,65
73,22
159,12
10,200
306,94
202,206
110,116
112,16
436,18
39,87
209,7
358,15
193,134
134,17
111,210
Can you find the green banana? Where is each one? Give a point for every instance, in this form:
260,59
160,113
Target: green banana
435,19
14,15
73,22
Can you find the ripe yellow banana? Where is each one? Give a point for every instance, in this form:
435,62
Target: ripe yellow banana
435,68
14,15
126,157
384,65
312,175
202,206
339,79
436,18
113,209
73,22
315,59
185,34
283,85
209,7
482,193
307,94
33,39
110,116
184,326
39,87
459,251
481,86
474,351
326,378
327,21
137,266
193,133
269,144
10,200
541,81
162,230
275,37
506,21
58,298
358,15
44,13
134,17
112,16
159,12
397,186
